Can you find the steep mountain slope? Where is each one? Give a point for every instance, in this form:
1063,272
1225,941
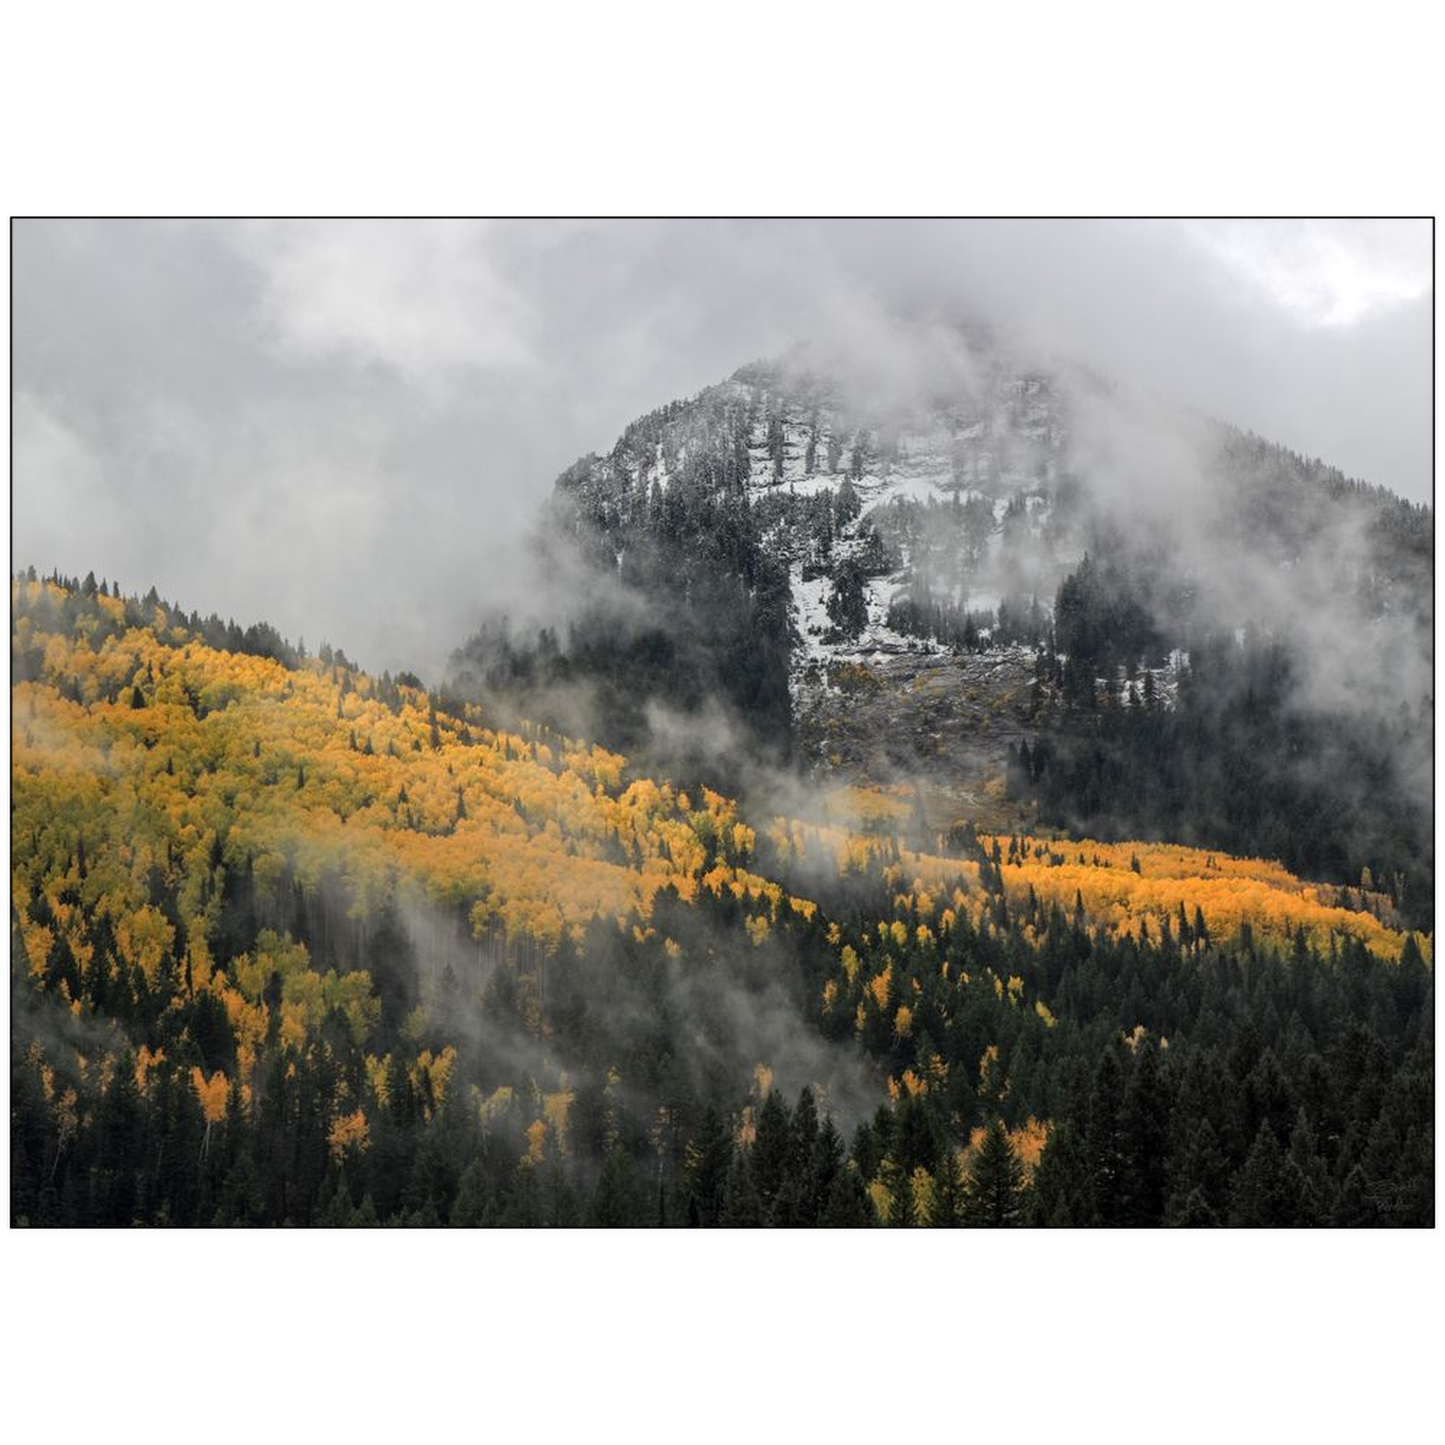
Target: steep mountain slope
915,572
954,499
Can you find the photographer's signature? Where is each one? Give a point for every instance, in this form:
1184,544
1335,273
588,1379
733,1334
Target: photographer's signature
1385,1196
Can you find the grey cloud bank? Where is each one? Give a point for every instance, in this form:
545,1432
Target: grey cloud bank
347,428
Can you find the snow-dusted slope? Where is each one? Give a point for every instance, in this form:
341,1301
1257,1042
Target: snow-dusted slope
915,474
955,496
938,516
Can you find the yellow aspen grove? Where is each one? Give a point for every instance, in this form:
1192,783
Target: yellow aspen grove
421,966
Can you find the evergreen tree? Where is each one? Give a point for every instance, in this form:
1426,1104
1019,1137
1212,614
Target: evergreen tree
742,1208
1260,1197
474,1202
1306,1180
1144,1141
993,1190
848,603
1199,1190
1061,1196
945,1208
849,1206
707,1162
772,1150
1104,1139
827,1163
615,1202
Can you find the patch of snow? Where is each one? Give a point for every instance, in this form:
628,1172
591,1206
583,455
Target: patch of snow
923,487
806,486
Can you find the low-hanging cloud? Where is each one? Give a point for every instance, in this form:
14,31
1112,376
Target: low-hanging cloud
347,428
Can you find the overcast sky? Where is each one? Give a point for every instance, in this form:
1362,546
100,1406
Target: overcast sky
347,428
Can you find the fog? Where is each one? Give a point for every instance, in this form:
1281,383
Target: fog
347,428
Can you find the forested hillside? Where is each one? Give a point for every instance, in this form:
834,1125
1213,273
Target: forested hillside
1032,599
296,944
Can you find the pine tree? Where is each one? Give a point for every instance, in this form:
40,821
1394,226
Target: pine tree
805,1130
615,1204
706,1164
945,1208
1306,1180
1198,1194
1260,1197
1061,1196
742,1208
772,1150
993,1190
848,604
827,1162
849,1206
610,1208
474,1202
560,1206
1144,1140
1104,1139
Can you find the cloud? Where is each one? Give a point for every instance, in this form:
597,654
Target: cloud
60,479
347,428
1325,273
421,297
